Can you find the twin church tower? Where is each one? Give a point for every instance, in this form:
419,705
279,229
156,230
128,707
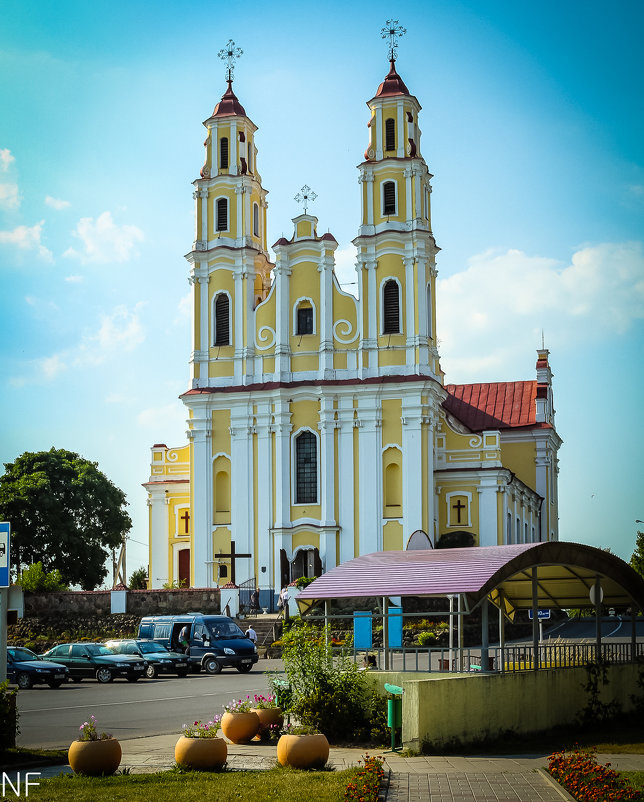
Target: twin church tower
319,424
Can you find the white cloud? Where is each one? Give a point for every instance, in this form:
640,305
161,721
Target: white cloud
185,306
171,417
104,240
5,159
491,314
74,279
57,204
9,197
27,238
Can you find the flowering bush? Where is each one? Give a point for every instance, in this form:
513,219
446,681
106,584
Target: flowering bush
200,730
88,732
240,705
265,702
300,729
587,780
366,785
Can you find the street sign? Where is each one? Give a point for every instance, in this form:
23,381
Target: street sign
5,529
542,615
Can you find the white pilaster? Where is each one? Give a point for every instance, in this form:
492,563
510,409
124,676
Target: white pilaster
378,133
487,496
325,314
204,322
203,195
346,502
282,428
400,150
264,494
238,323
410,312
201,500
326,426
412,474
370,475
159,531
282,348
233,149
241,482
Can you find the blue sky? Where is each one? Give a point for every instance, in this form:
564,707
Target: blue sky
533,125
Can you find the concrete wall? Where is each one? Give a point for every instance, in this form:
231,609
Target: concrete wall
444,709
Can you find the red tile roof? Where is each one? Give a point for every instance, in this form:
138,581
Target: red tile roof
498,405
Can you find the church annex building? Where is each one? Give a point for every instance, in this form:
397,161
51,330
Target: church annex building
320,426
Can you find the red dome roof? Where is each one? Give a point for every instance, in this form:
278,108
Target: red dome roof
229,106
393,84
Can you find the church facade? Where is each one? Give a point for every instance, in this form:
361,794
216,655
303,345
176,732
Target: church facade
320,425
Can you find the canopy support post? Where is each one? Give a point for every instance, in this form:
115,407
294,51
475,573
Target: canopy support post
598,623
326,622
461,633
501,631
535,618
385,631
633,631
485,654
451,633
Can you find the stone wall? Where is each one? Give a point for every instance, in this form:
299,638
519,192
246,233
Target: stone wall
139,602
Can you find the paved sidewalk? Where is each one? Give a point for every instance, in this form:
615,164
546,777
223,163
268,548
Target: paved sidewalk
413,779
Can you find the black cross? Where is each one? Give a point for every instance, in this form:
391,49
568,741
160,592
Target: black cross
233,556
458,507
185,518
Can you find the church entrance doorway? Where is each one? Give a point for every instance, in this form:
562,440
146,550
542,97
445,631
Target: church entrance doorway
306,563
183,573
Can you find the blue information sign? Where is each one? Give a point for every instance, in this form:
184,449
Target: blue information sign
5,529
542,615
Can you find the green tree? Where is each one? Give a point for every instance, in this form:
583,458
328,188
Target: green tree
34,579
64,513
637,558
139,579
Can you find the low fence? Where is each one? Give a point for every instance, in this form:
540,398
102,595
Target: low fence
503,660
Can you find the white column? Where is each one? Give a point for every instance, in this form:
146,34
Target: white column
204,319
410,312
488,516
214,151
238,323
541,486
378,133
412,467
282,428
249,302
203,195
401,150
241,482
370,478
264,493
346,479
325,314
201,493
237,234
282,347
408,209
369,342
417,179
159,533
326,426
233,148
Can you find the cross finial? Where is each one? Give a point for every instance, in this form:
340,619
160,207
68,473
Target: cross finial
305,195
393,31
229,54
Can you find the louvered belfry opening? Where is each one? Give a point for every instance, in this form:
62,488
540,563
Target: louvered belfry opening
389,198
390,134
306,468
391,308
222,320
223,153
305,320
222,214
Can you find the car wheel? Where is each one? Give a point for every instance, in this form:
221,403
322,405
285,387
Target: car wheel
182,673
23,680
55,683
244,669
104,675
77,679
212,666
133,677
151,672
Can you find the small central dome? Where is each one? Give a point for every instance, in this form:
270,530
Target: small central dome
229,106
393,84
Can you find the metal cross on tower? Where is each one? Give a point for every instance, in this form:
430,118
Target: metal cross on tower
305,196
229,54
393,31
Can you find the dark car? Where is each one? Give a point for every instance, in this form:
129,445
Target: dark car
26,669
158,658
96,660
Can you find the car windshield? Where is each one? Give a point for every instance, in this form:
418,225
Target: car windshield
151,648
97,648
23,654
225,629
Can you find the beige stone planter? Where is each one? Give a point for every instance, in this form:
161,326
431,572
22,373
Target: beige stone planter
303,751
240,728
268,717
95,758
201,753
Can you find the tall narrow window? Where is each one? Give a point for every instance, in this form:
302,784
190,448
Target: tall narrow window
222,214
222,320
389,198
304,320
390,134
223,153
391,308
255,220
306,468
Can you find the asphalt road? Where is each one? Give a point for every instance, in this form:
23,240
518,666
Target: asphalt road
50,718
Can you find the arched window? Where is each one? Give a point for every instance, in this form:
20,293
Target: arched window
222,214
390,134
304,319
255,220
306,468
222,319
391,308
388,198
223,153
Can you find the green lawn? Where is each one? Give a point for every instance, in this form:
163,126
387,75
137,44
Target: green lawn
635,778
274,785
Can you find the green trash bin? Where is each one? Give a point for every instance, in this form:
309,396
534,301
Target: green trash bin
394,712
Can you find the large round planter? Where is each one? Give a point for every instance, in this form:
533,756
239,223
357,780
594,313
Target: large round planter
303,751
269,717
95,758
201,753
240,728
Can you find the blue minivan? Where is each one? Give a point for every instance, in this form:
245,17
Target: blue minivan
214,641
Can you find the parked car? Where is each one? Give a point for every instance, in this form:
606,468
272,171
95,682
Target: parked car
214,641
26,668
159,660
96,660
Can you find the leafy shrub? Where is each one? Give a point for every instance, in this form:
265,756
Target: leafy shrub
587,780
35,580
426,638
304,581
8,717
139,579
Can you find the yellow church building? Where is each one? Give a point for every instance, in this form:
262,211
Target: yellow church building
320,425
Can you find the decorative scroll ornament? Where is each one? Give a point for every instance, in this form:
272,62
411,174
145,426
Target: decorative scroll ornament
393,31
348,328
261,337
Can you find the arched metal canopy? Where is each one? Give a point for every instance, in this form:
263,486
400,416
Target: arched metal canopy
565,574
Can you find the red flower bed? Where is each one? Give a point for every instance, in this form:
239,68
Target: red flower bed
587,780
366,785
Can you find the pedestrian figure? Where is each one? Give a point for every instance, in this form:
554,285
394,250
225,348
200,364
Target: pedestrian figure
254,601
283,602
251,634
184,636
